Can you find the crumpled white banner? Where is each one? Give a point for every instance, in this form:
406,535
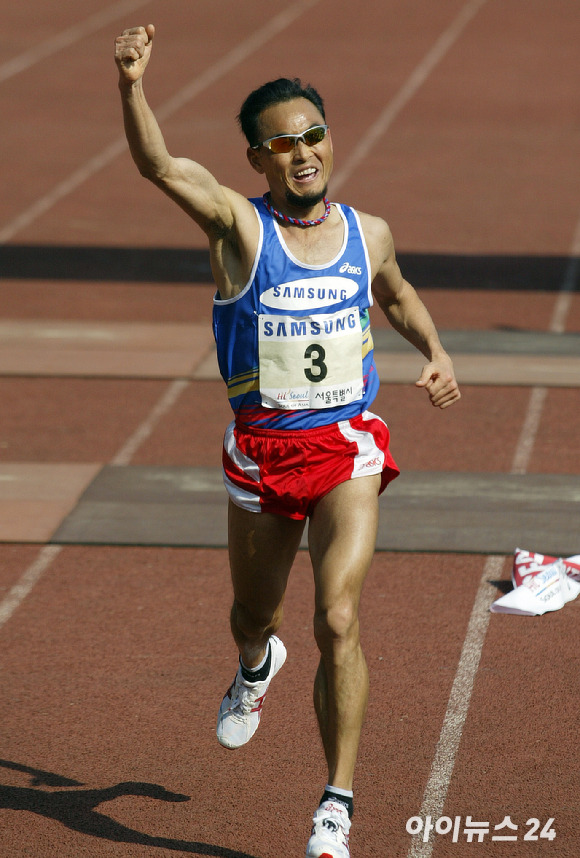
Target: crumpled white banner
541,583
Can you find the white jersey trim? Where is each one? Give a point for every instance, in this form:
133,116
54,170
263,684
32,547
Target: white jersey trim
366,252
222,301
304,265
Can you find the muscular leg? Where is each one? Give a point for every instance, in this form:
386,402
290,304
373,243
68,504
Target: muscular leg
342,537
262,548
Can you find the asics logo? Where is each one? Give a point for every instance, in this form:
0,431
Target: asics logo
347,268
372,463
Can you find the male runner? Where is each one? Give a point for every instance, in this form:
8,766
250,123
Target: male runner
295,277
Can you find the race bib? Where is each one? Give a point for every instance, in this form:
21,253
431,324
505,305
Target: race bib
310,361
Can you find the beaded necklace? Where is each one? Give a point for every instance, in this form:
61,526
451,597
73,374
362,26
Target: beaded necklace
294,220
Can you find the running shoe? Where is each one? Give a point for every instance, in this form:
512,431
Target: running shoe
329,832
241,708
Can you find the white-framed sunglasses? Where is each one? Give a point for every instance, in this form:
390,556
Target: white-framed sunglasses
287,142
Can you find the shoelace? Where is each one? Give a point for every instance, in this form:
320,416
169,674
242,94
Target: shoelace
244,698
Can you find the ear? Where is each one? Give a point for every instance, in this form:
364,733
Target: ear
254,157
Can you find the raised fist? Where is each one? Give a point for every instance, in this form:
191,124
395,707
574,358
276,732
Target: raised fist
132,51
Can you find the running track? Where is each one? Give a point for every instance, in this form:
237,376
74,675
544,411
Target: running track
458,122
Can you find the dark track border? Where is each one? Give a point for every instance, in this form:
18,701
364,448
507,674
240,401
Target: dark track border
191,265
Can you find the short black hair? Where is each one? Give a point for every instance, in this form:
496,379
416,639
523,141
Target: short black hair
274,92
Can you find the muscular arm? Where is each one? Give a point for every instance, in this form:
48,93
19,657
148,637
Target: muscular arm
226,217
408,315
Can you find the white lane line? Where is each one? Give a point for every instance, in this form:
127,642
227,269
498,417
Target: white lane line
224,65
165,403
67,37
49,553
557,326
529,431
443,764
63,189
18,593
407,91
234,58
457,706
460,697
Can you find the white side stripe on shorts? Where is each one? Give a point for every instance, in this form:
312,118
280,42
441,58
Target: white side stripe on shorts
370,459
243,462
242,497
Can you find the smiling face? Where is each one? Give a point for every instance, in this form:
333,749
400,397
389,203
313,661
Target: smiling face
298,179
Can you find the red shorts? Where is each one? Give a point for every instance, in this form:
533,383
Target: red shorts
266,470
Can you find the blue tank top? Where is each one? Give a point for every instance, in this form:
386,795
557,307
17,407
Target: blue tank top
294,346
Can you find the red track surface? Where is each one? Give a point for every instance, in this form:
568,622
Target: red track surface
113,666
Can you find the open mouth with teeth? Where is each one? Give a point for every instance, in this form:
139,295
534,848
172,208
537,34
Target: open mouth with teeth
308,174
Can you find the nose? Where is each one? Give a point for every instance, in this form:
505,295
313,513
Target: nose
301,148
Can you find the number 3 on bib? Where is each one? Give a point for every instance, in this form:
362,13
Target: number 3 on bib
310,361
319,370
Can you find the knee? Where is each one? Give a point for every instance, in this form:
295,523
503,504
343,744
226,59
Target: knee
253,621
337,627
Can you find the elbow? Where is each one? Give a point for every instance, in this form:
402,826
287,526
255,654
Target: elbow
152,172
147,168
151,165
151,175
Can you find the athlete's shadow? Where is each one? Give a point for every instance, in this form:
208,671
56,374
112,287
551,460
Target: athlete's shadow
75,808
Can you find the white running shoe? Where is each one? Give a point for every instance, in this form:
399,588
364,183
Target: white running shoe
241,708
330,832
